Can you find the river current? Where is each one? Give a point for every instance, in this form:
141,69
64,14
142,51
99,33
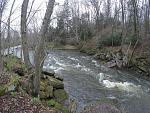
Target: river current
87,81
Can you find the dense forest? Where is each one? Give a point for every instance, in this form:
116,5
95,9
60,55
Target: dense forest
114,33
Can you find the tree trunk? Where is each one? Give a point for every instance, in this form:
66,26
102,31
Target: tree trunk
123,23
134,3
132,53
39,53
24,33
8,29
1,60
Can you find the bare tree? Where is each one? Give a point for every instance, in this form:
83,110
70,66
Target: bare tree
122,2
39,53
8,29
135,16
146,17
24,32
97,6
108,11
2,7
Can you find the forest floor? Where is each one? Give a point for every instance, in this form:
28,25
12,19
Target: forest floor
17,101
14,95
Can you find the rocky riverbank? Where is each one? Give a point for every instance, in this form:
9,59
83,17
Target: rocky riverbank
16,85
119,59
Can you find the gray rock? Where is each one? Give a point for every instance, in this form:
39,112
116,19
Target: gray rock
50,91
48,72
55,83
125,61
109,56
118,55
12,87
60,95
96,56
46,90
58,77
111,64
103,56
119,62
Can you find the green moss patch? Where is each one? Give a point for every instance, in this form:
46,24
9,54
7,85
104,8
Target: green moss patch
57,106
60,95
12,62
11,86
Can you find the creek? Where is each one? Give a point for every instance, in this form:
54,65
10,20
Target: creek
87,81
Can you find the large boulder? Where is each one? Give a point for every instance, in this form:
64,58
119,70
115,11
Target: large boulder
59,77
50,91
57,84
103,56
60,95
111,64
142,65
116,59
109,56
48,72
96,56
46,91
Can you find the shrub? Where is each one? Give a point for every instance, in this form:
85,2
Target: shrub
86,34
12,62
132,39
111,40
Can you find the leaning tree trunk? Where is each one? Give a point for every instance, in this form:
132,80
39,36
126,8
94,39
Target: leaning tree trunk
24,33
1,60
39,53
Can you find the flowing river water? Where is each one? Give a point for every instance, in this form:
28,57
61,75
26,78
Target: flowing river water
87,81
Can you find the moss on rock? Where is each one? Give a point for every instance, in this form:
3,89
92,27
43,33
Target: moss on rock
55,83
57,106
12,85
60,95
46,90
12,63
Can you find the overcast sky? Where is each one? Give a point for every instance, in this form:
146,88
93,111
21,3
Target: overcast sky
41,6
17,8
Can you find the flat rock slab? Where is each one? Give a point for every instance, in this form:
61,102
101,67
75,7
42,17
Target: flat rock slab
55,83
48,72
